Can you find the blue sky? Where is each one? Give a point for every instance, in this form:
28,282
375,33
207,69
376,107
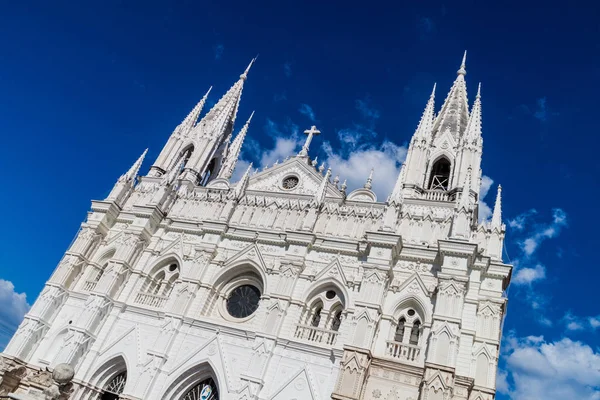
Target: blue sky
83,90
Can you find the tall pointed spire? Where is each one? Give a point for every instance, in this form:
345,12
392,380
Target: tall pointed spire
473,131
425,126
396,195
134,169
497,214
465,196
234,151
190,121
322,190
222,116
455,110
463,65
241,186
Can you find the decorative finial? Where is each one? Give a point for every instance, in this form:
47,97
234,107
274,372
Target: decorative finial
313,131
322,167
478,91
344,186
497,214
315,162
245,74
336,180
369,185
432,96
463,65
276,162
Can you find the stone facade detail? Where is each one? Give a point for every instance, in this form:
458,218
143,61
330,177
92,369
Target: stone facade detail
279,286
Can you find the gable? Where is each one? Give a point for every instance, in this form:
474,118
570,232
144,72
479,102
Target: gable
309,179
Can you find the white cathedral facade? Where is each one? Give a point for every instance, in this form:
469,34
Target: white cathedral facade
184,285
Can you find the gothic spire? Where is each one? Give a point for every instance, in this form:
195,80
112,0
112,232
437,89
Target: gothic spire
473,131
190,121
465,196
396,195
134,170
221,117
426,123
322,190
455,110
497,214
241,186
234,151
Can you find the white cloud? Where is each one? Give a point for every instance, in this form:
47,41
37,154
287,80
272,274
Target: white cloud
307,110
13,306
287,141
537,369
520,221
485,211
575,323
526,276
356,166
543,232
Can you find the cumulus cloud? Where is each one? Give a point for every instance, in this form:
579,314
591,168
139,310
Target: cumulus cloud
538,369
287,141
526,276
13,306
356,166
307,111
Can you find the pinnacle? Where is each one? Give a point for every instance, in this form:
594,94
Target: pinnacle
135,168
497,213
369,183
463,65
478,91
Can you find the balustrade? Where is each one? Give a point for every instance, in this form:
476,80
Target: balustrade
317,335
88,286
152,300
402,351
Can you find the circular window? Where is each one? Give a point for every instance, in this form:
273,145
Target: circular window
411,312
330,294
290,182
243,301
172,267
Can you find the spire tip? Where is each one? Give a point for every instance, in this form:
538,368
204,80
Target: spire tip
463,65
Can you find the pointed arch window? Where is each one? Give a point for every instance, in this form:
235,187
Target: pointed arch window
115,387
210,170
336,320
205,390
440,175
399,334
315,319
415,332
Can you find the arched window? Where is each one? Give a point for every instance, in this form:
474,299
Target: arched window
210,170
158,285
315,318
205,390
440,175
415,332
322,317
115,387
399,334
336,320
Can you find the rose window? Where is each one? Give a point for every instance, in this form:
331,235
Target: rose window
243,301
290,182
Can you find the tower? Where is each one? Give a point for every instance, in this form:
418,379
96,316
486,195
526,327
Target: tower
183,284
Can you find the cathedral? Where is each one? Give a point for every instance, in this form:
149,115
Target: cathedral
184,284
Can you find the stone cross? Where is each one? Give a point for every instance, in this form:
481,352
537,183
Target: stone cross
313,131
